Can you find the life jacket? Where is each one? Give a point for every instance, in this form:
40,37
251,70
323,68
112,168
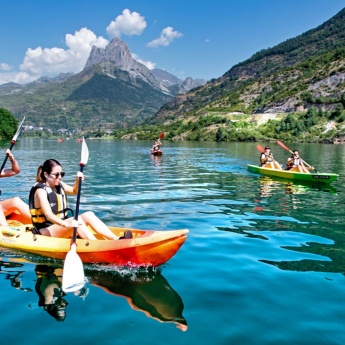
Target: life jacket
267,158
293,162
57,201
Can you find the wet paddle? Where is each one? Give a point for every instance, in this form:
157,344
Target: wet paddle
13,142
287,149
161,135
73,278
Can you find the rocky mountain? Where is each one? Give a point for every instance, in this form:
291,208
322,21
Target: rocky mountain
113,90
174,84
298,74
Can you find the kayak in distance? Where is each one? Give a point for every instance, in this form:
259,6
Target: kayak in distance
145,248
293,175
156,153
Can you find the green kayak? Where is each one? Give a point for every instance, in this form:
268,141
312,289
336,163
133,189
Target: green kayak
295,176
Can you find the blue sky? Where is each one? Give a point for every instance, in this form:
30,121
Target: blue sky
200,39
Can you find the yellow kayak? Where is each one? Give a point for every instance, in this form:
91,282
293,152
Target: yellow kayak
146,248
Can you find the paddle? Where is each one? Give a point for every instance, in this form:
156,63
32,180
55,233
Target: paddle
73,272
287,149
260,148
13,142
161,135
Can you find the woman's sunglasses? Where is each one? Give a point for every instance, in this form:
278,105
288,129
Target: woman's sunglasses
62,174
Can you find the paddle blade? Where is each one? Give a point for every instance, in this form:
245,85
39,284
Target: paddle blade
260,148
18,130
283,146
73,277
161,135
84,153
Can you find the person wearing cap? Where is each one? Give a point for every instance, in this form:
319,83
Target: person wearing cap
267,160
15,204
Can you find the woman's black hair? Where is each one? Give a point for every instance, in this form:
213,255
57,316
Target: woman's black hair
47,167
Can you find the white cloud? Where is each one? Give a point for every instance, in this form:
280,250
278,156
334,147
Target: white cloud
150,65
5,67
127,23
167,36
53,61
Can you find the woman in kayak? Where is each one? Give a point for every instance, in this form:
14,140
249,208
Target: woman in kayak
267,160
9,206
295,163
48,206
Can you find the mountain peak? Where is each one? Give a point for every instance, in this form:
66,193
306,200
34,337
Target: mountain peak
116,52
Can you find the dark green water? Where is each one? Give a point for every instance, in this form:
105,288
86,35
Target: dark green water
263,262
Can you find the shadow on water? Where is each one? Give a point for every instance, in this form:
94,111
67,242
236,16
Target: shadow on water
145,290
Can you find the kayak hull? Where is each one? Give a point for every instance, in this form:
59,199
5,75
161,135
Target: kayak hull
294,176
146,248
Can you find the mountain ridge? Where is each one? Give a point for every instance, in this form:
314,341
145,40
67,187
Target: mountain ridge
91,96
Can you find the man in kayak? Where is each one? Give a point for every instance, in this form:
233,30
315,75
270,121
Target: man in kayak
15,204
267,160
48,206
295,163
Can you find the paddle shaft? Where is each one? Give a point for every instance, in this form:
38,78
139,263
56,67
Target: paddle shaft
6,157
13,142
74,237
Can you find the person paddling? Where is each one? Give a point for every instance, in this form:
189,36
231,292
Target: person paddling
267,160
48,206
295,163
15,204
156,146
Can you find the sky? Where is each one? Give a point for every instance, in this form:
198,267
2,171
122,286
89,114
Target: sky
188,38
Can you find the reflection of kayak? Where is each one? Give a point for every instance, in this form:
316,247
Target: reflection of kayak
145,290
156,153
148,292
292,175
146,248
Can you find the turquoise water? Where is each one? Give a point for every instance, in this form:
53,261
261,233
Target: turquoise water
263,262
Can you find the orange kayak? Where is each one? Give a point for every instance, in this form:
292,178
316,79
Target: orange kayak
146,248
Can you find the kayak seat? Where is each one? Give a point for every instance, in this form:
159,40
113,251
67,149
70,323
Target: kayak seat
127,235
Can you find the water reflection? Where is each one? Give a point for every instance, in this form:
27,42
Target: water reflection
49,291
269,185
7,268
156,160
147,291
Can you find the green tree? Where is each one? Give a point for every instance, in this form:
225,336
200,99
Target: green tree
8,124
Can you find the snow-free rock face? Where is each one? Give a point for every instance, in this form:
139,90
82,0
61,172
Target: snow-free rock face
116,55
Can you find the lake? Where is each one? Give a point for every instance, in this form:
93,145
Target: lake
263,262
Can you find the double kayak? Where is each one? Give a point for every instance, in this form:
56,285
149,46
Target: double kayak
293,175
146,248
